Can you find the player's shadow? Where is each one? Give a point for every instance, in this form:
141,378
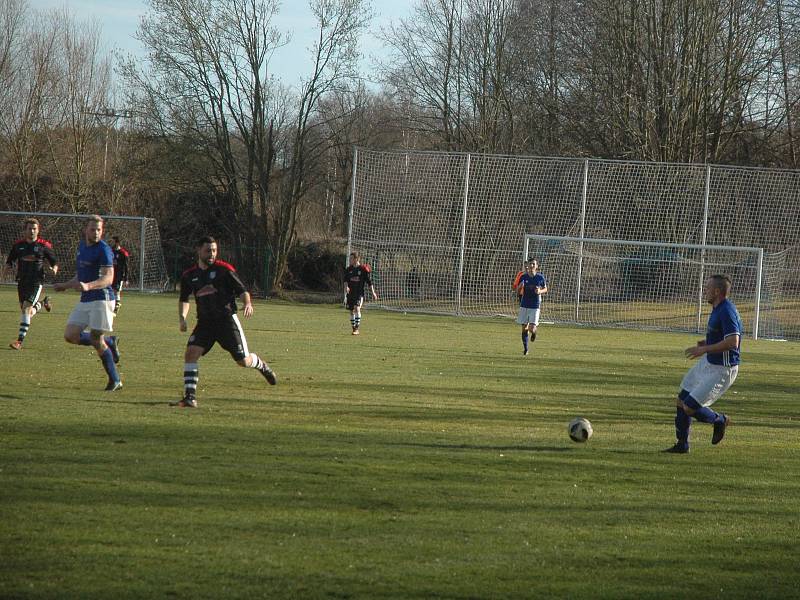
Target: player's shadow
115,399
9,397
484,447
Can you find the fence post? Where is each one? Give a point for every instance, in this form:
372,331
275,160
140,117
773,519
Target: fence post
350,212
584,194
757,317
142,242
463,236
703,241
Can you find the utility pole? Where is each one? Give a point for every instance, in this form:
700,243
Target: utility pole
111,116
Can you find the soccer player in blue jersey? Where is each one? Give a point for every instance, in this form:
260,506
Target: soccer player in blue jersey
215,286
530,287
715,372
30,254
95,309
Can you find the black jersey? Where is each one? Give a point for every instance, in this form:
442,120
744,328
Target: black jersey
357,278
120,264
30,257
215,290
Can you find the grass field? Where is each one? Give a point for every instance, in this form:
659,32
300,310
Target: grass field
426,458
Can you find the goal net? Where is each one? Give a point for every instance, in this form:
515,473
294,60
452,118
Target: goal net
647,285
138,235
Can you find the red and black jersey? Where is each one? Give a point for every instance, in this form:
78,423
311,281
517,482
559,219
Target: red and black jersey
30,257
120,264
357,278
215,290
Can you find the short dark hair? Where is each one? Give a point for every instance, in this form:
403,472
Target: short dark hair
206,239
31,221
94,219
722,282
355,255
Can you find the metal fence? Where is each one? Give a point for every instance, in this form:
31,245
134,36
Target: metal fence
444,231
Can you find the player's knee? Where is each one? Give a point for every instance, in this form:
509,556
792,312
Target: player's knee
244,362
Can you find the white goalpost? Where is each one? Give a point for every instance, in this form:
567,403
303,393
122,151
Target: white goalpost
147,270
646,285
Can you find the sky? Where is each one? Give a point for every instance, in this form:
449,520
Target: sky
119,20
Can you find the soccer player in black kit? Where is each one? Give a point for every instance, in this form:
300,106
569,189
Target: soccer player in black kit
356,279
120,271
29,253
215,286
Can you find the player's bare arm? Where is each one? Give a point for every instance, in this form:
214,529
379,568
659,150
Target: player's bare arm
541,290
183,312
105,278
729,343
72,284
374,295
247,305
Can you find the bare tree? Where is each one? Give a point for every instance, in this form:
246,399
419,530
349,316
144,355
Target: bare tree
208,84
27,52
334,60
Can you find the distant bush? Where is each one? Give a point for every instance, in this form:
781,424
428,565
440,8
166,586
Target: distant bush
315,266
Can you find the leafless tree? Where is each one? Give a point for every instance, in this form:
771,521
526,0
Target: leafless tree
209,84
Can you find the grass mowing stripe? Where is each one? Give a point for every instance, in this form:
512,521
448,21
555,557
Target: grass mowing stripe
425,458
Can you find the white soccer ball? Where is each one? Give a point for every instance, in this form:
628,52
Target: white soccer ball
579,429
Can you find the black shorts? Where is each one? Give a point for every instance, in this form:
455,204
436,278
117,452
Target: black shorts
29,292
353,301
227,333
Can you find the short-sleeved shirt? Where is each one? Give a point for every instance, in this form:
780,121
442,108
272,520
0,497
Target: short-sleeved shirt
92,258
30,257
215,290
357,278
529,297
120,264
724,321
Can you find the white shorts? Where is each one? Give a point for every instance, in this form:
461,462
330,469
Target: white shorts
528,315
97,315
706,382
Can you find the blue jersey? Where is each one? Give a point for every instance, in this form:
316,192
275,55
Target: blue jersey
529,297
723,322
91,258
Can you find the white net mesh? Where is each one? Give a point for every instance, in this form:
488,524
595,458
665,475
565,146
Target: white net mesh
646,285
139,235
444,231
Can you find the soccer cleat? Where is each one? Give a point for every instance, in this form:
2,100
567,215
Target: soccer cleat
46,304
525,352
719,430
189,401
355,332
114,347
677,449
15,345
268,374
113,386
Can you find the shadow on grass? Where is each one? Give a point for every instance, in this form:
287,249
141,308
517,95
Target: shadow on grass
484,447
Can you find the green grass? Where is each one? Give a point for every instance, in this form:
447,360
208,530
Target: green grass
424,459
